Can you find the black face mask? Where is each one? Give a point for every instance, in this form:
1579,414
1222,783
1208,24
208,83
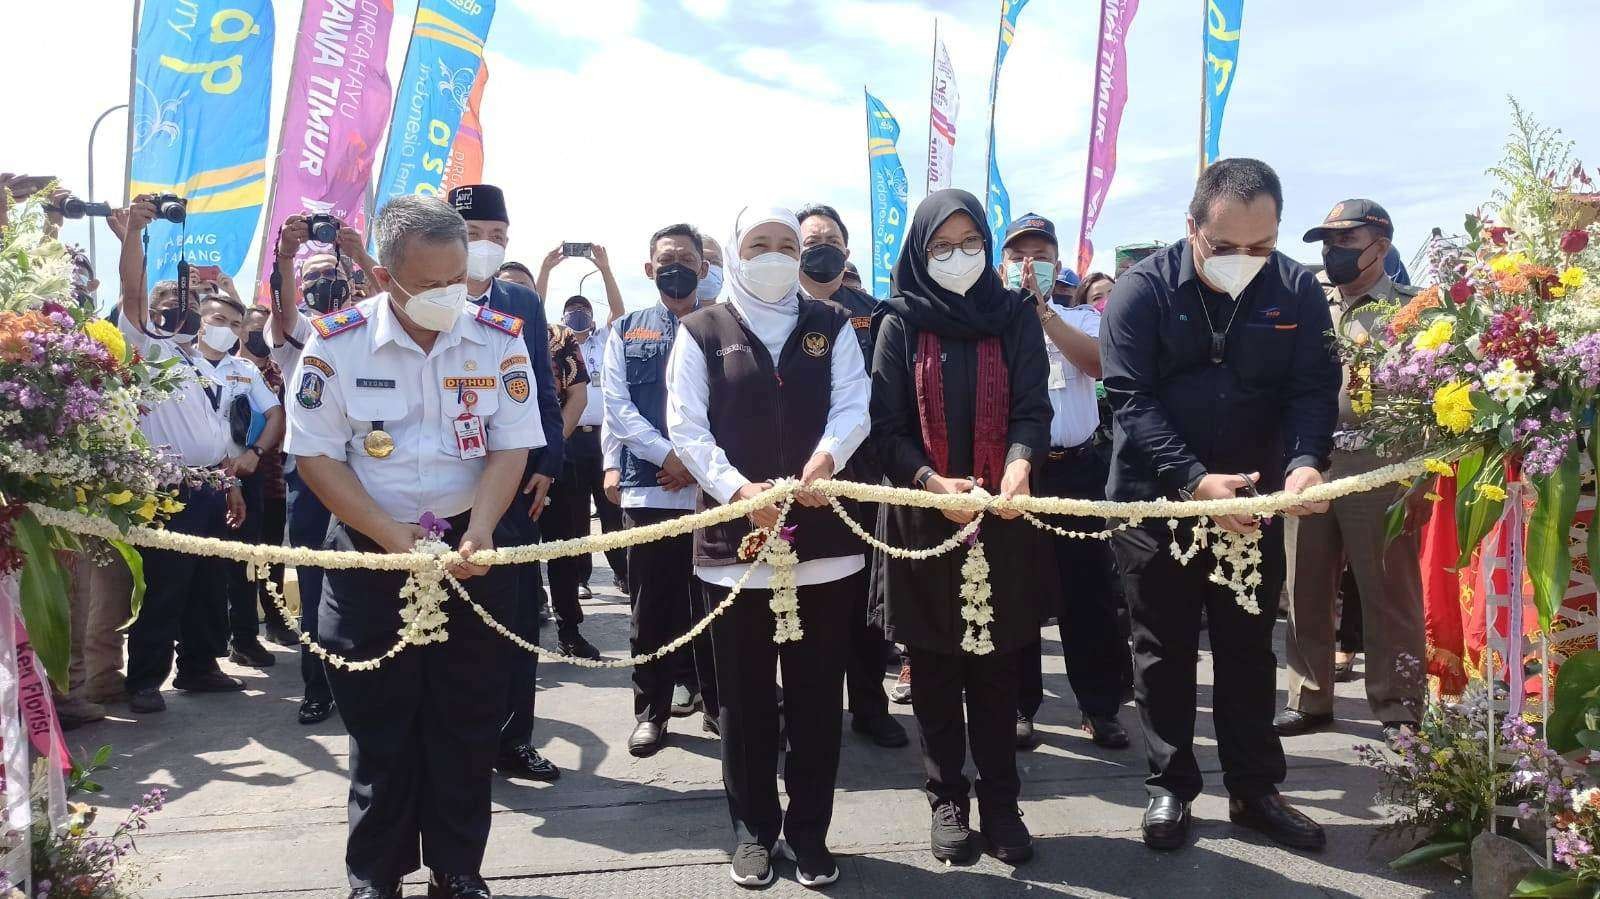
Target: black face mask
578,320
326,295
677,281
822,263
255,343
177,320
1343,264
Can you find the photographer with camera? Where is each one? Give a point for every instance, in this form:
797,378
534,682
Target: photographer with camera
325,284
183,604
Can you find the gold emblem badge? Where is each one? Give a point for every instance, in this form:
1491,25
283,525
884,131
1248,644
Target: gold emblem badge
378,444
470,365
815,344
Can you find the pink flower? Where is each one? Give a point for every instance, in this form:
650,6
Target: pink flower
1574,241
1497,233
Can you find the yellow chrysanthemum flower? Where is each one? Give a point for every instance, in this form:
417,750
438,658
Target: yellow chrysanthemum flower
107,335
1558,292
1573,277
1439,467
148,510
1452,407
1437,335
171,506
1508,263
120,499
81,495
1492,493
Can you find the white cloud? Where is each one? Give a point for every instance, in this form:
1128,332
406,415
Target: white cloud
778,66
591,19
708,10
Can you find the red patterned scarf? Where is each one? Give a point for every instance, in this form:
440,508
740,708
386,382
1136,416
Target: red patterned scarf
991,415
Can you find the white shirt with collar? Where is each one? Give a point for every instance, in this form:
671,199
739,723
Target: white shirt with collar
287,354
629,428
688,396
1075,410
237,377
375,375
186,422
594,356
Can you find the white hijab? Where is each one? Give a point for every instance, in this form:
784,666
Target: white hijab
772,322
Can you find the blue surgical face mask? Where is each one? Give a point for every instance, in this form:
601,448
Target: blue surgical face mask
1044,275
711,284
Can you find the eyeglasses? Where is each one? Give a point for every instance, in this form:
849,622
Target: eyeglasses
1236,251
942,251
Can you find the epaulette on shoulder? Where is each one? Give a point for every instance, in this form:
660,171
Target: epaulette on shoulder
1406,290
338,322
500,321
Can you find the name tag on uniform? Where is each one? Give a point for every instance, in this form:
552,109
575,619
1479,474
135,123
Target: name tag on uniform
469,436
1058,374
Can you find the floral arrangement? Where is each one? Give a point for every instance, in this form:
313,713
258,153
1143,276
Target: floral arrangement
71,393
72,862
1495,367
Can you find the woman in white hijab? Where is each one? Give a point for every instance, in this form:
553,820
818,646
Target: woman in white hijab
768,385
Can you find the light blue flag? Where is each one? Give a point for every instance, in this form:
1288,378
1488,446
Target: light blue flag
200,118
431,94
996,200
1223,18
889,191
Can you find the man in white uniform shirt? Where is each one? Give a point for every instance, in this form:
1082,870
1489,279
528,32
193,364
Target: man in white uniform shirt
1099,666
185,602
414,405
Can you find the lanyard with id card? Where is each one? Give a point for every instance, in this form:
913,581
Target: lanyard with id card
469,427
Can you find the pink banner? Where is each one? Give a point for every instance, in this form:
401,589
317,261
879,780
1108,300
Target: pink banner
334,116
38,711
1110,95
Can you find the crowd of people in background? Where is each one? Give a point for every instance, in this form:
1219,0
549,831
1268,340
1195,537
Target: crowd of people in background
1203,372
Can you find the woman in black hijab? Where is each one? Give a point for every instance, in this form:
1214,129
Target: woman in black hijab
959,399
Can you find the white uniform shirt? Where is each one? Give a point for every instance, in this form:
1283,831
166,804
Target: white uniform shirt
689,392
186,421
629,428
287,354
237,377
1075,412
594,354
375,375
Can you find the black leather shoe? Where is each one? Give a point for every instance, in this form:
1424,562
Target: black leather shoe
210,682
949,835
315,711
282,636
647,738
457,886
524,761
1008,837
883,729
1280,821
578,648
251,654
147,701
1106,731
1026,738
584,592
376,892
1166,823
1293,722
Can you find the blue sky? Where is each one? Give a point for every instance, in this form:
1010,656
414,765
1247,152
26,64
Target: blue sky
605,119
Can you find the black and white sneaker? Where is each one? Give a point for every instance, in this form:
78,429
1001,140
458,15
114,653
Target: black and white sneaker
813,868
751,866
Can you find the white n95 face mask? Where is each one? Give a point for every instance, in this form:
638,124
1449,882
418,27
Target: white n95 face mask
483,259
437,309
219,337
958,273
1232,274
770,276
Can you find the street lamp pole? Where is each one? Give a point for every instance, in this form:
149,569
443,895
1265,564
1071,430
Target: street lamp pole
92,194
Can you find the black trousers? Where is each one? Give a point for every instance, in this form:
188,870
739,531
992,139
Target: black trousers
185,601
864,662
813,668
666,601
988,684
244,619
583,453
566,517
1165,599
308,529
423,726
274,525
527,589
1099,667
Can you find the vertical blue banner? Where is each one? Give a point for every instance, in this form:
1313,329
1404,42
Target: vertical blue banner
889,191
431,95
1223,18
202,89
996,200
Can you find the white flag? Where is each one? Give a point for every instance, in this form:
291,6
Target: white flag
944,105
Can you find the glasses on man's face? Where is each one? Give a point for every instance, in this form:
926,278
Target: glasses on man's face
326,274
943,250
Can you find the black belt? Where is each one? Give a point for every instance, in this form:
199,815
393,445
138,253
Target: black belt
586,429
1071,453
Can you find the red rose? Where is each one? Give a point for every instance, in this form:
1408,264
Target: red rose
1497,233
1461,291
1574,241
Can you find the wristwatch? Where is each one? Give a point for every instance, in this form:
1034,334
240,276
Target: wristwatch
253,448
1186,493
923,477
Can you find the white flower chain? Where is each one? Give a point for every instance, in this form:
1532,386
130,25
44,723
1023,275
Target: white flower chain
785,601
959,537
975,608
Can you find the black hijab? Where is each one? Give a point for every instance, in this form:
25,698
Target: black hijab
987,310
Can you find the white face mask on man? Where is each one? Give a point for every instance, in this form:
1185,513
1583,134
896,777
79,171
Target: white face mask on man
958,273
1230,274
436,309
484,258
220,338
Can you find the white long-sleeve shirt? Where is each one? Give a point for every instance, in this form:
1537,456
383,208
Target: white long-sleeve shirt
629,428
688,396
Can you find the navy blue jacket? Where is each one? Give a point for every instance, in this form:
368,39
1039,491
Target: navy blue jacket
647,336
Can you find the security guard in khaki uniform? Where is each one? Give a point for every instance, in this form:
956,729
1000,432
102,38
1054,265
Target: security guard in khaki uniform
409,407
1355,237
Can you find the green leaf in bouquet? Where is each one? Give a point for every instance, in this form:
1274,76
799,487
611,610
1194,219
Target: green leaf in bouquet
135,564
1475,513
1589,739
1577,690
44,587
1550,884
1429,852
1549,553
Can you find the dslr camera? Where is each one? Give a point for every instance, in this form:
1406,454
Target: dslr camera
170,207
75,208
324,228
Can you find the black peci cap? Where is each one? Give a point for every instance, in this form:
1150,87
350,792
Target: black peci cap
480,203
1353,214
